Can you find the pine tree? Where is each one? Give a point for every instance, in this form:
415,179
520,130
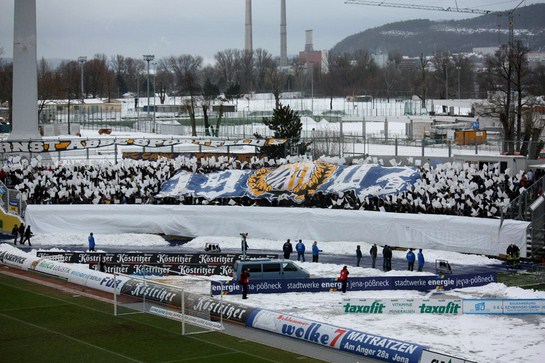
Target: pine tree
286,124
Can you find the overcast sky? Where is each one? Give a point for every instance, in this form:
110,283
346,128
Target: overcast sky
71,28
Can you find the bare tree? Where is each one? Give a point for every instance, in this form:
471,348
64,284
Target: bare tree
186,69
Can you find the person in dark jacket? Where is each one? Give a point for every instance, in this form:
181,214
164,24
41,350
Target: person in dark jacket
410,259
373,253
300,248
288,249
15,233
315,252
420,260
244,281
343,277
358,255
21,233
387,256
28,234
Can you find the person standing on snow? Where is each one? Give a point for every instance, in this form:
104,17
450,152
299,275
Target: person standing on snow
91,242
387,255
343,277
420,260
28,234
373,253
315,252
300,247
287,249
15,233
410,259
244,281
358,255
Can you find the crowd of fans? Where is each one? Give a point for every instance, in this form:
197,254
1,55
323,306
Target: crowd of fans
450,188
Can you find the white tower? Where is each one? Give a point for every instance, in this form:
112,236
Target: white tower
25,72
248,46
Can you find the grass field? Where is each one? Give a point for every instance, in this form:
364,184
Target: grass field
42,324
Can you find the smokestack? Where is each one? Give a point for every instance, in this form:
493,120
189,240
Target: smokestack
308,41
248,39
283,35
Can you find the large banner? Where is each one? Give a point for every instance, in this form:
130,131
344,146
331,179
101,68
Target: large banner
352,341
422,283
294,181
40,146
157,263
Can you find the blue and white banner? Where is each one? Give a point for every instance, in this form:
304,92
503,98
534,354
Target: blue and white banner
293,181
421,283
353,341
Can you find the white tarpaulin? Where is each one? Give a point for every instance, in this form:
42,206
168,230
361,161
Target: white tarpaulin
449,233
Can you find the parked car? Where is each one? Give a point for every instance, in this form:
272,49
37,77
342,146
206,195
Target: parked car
270,269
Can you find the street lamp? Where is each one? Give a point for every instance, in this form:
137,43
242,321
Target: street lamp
458,68
148,58
81,61
154,107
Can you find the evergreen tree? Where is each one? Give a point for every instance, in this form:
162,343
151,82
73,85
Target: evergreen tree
286,124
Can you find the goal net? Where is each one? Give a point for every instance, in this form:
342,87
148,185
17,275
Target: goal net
171,297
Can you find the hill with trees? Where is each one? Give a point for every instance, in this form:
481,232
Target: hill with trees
414,37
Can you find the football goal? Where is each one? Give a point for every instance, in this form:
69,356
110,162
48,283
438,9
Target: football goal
172,297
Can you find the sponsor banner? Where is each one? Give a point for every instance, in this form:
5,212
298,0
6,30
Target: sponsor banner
143,258
54,268
165,269
153,292
402,306
433,357
504,306
422,283
294,181
483,306
524,306
230,311
14,259
372,346
39,146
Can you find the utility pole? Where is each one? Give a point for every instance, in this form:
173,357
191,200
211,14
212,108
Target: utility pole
148,58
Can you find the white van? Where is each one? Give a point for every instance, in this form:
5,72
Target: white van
270,270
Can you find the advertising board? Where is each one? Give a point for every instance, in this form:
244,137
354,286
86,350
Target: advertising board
402,306
421,283
369,345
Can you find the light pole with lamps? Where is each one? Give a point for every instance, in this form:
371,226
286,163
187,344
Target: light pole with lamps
154,94
148,58
81,61
458,68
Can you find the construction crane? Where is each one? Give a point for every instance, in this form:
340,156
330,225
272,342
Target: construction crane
420,7
456,9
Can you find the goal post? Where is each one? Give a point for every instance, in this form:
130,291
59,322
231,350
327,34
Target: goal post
170,297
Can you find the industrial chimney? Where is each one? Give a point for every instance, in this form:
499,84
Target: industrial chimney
248,39
308,41
283,36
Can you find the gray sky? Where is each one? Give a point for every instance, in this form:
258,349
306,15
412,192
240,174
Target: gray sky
71,28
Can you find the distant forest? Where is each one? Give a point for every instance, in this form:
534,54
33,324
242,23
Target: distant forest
413,37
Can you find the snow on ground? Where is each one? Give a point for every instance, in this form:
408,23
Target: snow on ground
480,338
